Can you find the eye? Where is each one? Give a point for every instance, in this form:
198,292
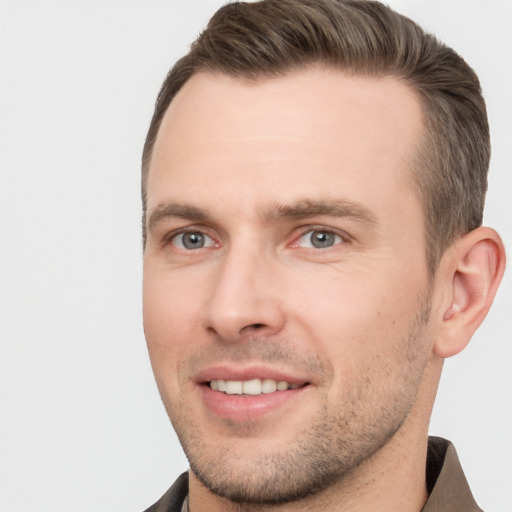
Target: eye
319,239
191,240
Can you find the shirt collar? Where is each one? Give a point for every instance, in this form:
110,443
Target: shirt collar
448,489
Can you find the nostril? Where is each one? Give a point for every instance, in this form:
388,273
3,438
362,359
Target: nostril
253,327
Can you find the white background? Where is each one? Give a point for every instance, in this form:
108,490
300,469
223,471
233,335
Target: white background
81,424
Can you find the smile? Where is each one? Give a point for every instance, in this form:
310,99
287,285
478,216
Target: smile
251,387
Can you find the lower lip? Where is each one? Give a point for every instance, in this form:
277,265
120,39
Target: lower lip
247,408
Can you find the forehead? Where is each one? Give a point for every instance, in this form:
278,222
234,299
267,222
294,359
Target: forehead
292,133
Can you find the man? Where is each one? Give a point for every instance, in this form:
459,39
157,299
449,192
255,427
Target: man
313,185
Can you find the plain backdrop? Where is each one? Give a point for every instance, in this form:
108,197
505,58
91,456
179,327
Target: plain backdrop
81,424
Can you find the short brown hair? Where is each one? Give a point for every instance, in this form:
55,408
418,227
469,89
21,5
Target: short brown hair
272,37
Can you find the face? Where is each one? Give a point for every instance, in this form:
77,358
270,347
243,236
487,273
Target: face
286,294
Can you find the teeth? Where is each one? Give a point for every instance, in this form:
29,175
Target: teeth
282,385
251,387
234,387
268,386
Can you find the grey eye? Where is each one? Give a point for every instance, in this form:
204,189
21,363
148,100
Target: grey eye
192,240
319,239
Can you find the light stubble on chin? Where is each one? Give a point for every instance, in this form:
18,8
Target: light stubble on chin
338,439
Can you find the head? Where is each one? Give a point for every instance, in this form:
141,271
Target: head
271,38
301,162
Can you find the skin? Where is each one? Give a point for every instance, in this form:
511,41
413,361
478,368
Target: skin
357,322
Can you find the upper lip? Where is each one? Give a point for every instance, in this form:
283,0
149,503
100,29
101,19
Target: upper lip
246,372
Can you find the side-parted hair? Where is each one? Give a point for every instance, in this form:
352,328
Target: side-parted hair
270,38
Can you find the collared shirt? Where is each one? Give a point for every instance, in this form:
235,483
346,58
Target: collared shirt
446,484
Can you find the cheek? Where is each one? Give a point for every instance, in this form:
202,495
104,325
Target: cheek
352,317
169,322
169,300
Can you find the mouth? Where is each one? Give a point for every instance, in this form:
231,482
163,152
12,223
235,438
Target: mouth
252,387
249,394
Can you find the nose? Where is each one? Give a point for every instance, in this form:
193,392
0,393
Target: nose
245,297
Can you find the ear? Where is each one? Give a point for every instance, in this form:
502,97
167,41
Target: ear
469,275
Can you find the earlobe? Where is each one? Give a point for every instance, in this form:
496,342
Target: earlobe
472,272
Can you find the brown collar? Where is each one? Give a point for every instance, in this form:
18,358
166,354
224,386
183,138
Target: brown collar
447,486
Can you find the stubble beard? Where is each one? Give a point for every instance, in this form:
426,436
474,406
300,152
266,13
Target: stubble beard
337,441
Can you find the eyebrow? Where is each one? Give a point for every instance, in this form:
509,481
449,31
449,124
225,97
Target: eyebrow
308,208
299,210
175,211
